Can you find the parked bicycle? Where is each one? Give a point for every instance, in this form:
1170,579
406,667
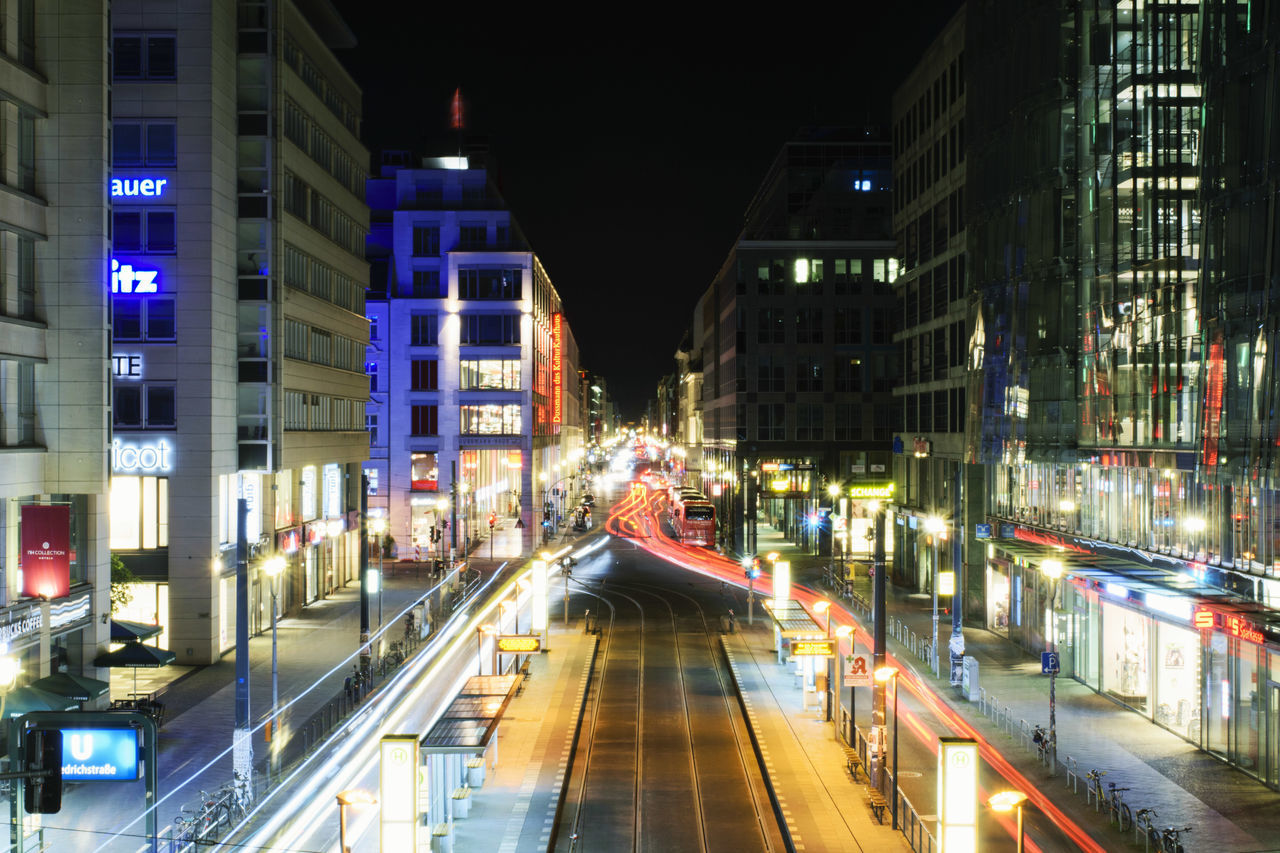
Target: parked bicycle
1120,813
1171,841
1040,737
1093,787
1146,825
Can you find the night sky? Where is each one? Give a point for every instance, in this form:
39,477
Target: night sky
629,142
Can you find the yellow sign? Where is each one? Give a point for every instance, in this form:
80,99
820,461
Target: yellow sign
519,643
812,648
957,795
946,583
871,491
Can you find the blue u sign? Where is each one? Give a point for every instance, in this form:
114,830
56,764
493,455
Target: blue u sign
99,754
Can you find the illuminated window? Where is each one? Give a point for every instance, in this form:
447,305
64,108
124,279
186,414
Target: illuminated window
491,420
489,283
491,375
424,471
139,513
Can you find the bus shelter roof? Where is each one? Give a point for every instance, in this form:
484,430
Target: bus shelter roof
471,719
793,621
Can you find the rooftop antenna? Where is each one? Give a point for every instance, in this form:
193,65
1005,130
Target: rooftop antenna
456,120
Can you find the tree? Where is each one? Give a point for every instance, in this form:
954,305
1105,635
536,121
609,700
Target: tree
121,577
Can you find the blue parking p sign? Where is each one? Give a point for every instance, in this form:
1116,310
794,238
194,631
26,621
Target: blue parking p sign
1049,663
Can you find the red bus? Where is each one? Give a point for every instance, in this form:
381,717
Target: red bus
694,523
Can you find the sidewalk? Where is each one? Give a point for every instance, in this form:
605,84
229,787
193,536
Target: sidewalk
1185,785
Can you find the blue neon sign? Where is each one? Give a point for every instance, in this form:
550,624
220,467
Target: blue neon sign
138,187
99,755
125,278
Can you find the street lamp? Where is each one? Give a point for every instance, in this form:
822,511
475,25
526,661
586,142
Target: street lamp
823,606
935,527
9,670
842,632
1052,569
354,797
1007,801
272,568
884,674
378,526
481,630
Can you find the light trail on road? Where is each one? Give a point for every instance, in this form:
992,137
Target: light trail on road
641,501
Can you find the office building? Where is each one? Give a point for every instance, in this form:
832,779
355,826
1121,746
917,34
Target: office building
238,289
472,364
54,325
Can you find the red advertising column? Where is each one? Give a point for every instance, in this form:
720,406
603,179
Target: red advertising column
46,551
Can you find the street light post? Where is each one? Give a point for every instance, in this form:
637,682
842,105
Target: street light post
842,632
1006,801
824,607
884,674
273,568
378,526
350,798
1052,569
935,526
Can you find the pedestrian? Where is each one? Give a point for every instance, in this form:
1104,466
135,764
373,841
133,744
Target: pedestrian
347,686
356,683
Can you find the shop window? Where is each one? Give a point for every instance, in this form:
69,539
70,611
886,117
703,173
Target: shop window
491,375
1125,656
424,471
139,513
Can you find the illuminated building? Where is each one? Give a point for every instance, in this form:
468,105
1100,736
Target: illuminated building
1120,370
795,334
239,225
929,180
54,325
467,328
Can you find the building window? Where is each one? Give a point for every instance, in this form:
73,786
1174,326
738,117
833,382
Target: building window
770,375
145,231
771,422
424,471
490,329
143,406
144,143
371,427
491,375
809,326
848,325
423,329
426,240
489,284
848,374
848,422
424,375
809,422
425,421
426,285
808,374
143,319
497,419
472,235
770,326
144,57
139,513
371,369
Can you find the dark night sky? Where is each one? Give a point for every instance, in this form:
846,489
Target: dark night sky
628,150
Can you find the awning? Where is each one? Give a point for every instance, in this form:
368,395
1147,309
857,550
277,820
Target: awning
123,631
25,700
471,719
136,655
793,621
78,687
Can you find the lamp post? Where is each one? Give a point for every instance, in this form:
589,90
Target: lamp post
1052,569
481,630
378,526
350,798
824,607
935,526
272,568
9,669
1007,801
842,632
885,674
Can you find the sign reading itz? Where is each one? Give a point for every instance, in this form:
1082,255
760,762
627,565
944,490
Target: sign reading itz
126,279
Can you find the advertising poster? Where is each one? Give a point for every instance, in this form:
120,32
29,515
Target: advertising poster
46,551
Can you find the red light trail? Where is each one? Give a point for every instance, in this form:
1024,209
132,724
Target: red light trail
637,517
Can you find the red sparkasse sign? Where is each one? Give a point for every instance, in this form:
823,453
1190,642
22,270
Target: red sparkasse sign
46,551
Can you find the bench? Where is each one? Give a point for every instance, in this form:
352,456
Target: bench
877,804
854,763
461,802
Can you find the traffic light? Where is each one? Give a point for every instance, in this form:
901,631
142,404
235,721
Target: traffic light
43,749
493,519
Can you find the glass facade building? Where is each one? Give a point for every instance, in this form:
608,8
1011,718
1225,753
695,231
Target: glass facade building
1120,362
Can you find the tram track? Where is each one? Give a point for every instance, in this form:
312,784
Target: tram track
664,762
